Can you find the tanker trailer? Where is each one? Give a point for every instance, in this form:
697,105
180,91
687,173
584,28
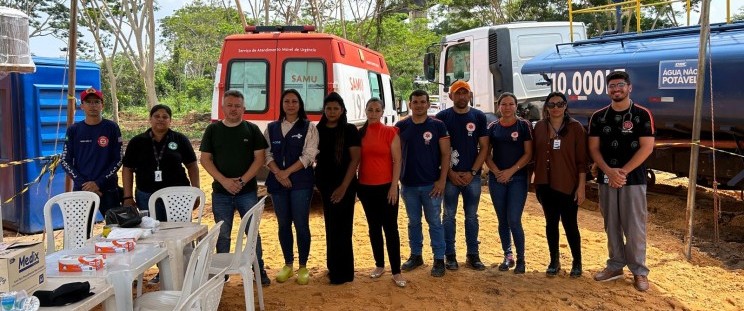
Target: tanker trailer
662,65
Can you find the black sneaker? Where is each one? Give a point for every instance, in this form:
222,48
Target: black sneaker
507,263
520,267
451,262
473,261
576,270
413,262
265,280
438,269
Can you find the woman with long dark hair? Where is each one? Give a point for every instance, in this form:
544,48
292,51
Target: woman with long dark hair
379,172
509,153
335,177
560,177
293,145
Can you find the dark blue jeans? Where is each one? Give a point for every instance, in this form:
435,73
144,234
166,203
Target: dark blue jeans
470,198
508,200
143,198
293,206
223,208
416,200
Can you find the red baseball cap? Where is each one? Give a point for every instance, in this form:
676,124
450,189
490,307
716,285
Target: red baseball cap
89,92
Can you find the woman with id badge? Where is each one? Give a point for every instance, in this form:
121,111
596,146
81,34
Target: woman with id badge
156,159
561,157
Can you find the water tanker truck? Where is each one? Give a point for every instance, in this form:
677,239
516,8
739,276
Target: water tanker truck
662,65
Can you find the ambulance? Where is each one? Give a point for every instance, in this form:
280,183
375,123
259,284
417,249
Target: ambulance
266,60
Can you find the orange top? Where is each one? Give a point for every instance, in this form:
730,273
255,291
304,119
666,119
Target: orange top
376,165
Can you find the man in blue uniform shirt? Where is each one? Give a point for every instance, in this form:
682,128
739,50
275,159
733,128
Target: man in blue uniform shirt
469,140
92,152
426,157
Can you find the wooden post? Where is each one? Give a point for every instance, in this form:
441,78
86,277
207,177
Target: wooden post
72,56
695,148
242,16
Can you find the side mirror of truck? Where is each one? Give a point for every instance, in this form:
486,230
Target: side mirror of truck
429,66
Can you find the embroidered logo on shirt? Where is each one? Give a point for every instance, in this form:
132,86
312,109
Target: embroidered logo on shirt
103,141
427,137
172,145
627,126
298,136
515,136
454,158
471,128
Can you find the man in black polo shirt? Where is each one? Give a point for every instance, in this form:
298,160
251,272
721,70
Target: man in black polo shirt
621,137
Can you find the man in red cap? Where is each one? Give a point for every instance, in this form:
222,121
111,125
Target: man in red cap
92,152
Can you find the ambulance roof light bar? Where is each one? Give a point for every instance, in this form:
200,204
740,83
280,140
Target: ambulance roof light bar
278,28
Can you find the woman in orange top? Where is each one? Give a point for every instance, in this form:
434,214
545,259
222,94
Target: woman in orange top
379,172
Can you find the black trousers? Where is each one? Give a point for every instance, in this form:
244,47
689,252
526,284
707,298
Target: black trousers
339,227
381,216
558,206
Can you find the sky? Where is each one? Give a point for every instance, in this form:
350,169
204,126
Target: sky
50,47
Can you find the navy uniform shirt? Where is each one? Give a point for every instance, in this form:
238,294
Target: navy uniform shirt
421,154
464,130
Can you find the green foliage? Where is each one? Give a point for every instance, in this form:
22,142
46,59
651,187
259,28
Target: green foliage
404,44
193,35
130,87
739,16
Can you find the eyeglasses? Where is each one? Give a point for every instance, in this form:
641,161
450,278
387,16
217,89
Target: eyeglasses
618,85
558,104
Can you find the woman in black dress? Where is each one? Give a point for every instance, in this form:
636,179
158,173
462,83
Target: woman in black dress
335,176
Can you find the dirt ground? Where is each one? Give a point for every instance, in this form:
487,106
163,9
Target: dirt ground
712,280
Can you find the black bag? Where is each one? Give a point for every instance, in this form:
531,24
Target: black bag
64,294
124,216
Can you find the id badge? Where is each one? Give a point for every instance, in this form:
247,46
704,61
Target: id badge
556,144
606,179
158,176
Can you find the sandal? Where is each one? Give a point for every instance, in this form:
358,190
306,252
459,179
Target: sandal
398,279
377,272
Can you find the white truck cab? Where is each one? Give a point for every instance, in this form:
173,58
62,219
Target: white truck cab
490,60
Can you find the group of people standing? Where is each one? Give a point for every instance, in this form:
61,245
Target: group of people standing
435,160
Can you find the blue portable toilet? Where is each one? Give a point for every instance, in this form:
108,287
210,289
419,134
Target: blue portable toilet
33,117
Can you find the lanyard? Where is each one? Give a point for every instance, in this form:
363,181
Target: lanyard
158,155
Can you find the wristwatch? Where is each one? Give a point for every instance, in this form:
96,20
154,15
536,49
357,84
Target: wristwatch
474,172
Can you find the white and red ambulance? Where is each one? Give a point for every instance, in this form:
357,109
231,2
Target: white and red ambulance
267,60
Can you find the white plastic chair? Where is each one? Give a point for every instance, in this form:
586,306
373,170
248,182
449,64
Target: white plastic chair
196,275
207,297
179,203
75,207
245,255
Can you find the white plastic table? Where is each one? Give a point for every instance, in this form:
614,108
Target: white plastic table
119,270
104,293
175,236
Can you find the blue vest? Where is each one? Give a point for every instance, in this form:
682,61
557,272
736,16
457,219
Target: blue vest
286,150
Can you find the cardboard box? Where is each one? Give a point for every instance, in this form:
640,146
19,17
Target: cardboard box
80,263
22,267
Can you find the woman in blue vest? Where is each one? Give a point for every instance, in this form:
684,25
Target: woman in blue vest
293,145
335,176
510,150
